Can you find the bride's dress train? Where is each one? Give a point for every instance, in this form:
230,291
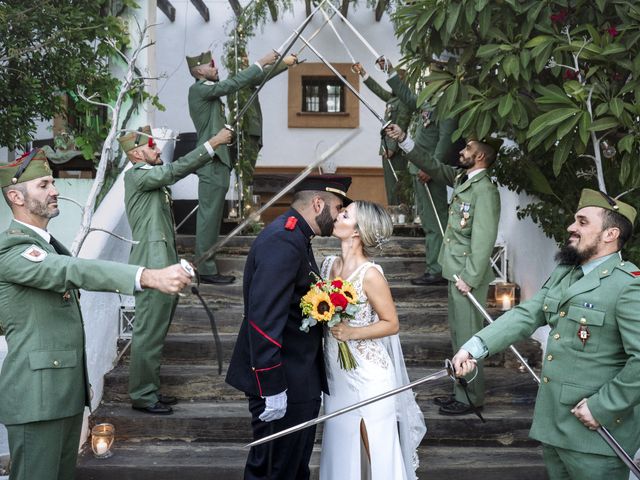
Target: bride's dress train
381,437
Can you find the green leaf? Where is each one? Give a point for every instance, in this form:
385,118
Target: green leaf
467,117
604,123
538,181
539,40
625,169
567,127
583,127
485,125
470,12
484,20
488,50
504,108
424,18
430,90
601,109
453,14
613,49
440,18
481,5
542,57
550,119
561,154
617,106
511,66
626,144
601,4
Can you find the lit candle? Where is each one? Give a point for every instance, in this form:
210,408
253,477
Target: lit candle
506,302
101,447
401,218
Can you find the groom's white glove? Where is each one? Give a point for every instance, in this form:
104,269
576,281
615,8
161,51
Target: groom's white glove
275,407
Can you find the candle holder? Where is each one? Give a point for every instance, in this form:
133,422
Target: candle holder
102,437
505,295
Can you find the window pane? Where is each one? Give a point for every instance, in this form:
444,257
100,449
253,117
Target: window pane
322,94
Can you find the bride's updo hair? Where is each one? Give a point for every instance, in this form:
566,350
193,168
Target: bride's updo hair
374,225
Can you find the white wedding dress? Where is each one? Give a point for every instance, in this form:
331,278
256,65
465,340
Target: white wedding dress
394,426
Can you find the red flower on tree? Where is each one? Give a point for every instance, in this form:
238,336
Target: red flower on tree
613,31
338,300
336,283
570,74
559,17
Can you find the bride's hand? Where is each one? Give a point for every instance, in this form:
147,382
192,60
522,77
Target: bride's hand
341,332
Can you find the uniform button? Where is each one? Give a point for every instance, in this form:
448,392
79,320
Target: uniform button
56,363
545,308
549,357
605,271
618,420
464,254
562,314
583,321
545,379
448,239
117,291
556,336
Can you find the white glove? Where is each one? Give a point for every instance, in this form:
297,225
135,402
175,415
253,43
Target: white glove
275,407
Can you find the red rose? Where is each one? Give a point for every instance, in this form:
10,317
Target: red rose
320,284
559,17
338,300
337,283
570,74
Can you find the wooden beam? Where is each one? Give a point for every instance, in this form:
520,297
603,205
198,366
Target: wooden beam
273,10
344,8
236,7
168,9
202,9
307,7
380,8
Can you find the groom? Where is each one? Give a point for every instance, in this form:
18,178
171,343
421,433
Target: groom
279,367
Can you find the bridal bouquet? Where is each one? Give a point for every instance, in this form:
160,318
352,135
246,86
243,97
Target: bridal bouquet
331,303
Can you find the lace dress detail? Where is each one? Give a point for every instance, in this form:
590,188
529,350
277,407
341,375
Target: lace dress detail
375,374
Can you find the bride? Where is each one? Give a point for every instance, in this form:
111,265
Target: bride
378,441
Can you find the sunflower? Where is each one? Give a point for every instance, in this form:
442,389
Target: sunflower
322,309
349,292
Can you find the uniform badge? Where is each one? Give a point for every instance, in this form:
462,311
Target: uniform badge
635,274
291,223
34,254
583,334
464,211
66,296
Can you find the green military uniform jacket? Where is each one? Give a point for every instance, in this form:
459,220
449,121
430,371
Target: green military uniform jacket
396,111
605,369
207,110
148,205
253,115
472,222
44,375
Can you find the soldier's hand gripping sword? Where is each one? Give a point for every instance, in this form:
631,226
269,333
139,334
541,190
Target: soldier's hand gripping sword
447,371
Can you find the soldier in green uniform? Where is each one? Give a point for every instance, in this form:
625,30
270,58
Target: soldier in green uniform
148,204
469,238
591,369
44,384
208,115
398,112
433,136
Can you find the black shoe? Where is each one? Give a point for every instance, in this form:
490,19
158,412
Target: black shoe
167,399
457,408
157,408
217,279
429,279
444,400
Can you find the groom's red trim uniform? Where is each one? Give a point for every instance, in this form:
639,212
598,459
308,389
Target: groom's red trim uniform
272,354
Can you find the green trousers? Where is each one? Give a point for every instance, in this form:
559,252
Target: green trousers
45,450
429,221
464,322
213,183
563,464
390,183
154,311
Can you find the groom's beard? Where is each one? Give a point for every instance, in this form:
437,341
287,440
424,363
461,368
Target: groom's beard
325,222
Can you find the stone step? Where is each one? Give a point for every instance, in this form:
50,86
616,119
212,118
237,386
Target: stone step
191,318
506,425
396,247
426,349
202,382
196,461
393,267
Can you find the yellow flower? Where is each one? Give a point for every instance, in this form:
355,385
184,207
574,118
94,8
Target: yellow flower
322,309
349,292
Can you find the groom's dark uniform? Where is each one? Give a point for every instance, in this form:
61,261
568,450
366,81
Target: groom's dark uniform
272,354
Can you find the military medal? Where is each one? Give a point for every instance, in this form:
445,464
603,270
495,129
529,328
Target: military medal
426,118
583,334
464,210
66,296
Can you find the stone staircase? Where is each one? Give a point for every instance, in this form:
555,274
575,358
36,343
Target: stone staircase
205,437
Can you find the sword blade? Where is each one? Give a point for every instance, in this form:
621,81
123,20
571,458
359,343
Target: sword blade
254,216
344,45
619,451
355,31
315,34
445,372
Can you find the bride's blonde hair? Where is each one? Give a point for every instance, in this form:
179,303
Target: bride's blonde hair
374,225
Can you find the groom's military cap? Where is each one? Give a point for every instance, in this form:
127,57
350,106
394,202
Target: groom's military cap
30,166
336,184
596,198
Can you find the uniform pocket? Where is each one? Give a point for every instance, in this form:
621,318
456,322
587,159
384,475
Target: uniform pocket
585,327
55,359
572,394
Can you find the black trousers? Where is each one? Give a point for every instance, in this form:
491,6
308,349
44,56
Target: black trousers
288,456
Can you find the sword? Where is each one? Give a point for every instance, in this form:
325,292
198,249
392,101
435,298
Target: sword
384,123
315,34
433,205
447,371
214,328
619,451
353,60
254,216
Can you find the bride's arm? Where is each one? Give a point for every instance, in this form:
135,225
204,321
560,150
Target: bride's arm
377,290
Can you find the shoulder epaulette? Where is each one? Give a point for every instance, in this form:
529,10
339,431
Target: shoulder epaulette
291,223
15,231
629,268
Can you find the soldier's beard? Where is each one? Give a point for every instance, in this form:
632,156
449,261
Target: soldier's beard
570,255
40,209
325,222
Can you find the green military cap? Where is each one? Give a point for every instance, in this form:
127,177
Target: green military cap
131,140
203,59
596,198
30,166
